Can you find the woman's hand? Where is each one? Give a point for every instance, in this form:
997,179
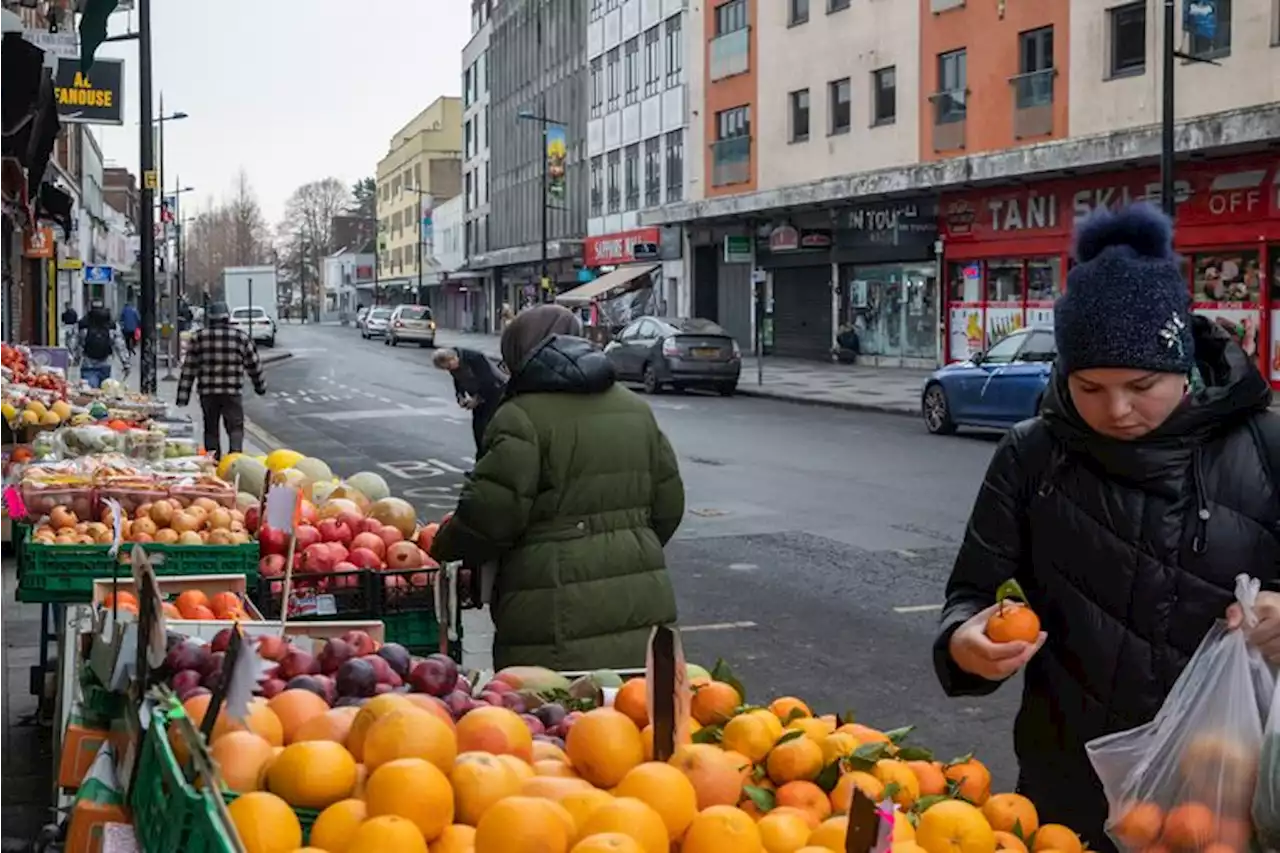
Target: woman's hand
1266,634
976,654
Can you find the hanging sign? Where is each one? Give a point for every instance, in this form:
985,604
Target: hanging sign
93,98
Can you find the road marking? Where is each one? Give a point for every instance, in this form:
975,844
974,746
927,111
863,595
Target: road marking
708,513
743,567
385,414
903,552
717,626
918,608
386,400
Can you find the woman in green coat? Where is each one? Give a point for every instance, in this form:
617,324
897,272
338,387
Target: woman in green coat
574,495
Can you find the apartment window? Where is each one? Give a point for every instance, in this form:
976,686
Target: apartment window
1211,30
797,12
610,5
468,75
1128,39
953,81
653,172
840,106
614,164
731,17
652,60
1034,86
884,96
675,166
631,173
613,78
597,86
631,70
675,51
468,140
836,5
734,122
597,9
799,105
597,186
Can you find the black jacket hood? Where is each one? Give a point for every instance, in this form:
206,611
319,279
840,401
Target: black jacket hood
565,365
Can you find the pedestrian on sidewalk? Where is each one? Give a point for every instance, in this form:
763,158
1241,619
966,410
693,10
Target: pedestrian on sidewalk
97,340
1125,510
574,497
217,358
130,326
70,319
477,383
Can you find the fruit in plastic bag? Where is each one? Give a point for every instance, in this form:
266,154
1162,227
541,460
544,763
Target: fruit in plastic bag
1266,799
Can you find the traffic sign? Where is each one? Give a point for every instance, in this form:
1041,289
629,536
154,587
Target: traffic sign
98,274
151,179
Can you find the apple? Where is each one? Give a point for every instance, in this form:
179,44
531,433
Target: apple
306,535
335,653
252,517
403,555
327,684
297,662
272,541
317,557
369,541
391,535
271,687
534,724
332,530
427,535
363,558
271,566
437,675
381,668
361,641
308,513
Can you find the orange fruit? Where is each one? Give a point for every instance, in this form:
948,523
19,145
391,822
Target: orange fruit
1190,826
410,732
225,601
262,721
520,768
631,817
713,703
864,734
602,746
972,778
456,838
929,775
369,713
798,758
831,834
890,771
294,708
242,757
386,833
479,780
837,745
553,788
1055,836
749,735
632,699
188,600
499,731
1010,842
722,829
1013,623
716,779
582,804
123,598
552,767
788,708
332,725
336,825
646,736
903,829
608,842
954,826
1013,813
813,727
783,831
414,789
266,823
547,751
805,796
312,774
842,794
809,817
667,791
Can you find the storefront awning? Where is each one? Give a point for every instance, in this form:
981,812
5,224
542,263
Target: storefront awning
620,278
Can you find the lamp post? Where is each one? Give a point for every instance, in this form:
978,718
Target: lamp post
545,287
422,239
174,281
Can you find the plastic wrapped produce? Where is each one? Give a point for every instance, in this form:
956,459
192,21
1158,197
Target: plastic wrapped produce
131,491
175,448
91,438
144,444
188,489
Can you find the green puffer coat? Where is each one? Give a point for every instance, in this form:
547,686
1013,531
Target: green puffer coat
575,494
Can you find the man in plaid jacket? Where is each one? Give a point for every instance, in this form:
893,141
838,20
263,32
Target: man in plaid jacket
218,356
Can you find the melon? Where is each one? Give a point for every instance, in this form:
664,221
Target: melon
225,463
322,491
244,500
371,485
345,491
279,460
315,470
250,474
295,479
396,512
532,678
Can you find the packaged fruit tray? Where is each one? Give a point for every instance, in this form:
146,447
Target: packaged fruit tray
319,595
64,574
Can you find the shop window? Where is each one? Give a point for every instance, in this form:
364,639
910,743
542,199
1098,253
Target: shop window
1044,279
1004,281
1234,276
965,281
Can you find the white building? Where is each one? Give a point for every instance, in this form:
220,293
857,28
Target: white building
347,279
475,153
460,301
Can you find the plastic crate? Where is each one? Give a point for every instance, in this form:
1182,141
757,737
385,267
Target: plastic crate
319,596
419,633
406,603
64,574
306,817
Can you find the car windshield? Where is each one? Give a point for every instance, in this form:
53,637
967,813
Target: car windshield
379,314
415,312
248,314
695,326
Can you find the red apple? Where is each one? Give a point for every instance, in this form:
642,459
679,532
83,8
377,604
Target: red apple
404,555
427,535
391,535
252,516
271,687
332,530
297,662
306,536
364,558
362,642
272,647
317,558
272,541
308,512
371,541
381,668
271,566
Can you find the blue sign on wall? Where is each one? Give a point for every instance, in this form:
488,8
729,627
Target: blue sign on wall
98,274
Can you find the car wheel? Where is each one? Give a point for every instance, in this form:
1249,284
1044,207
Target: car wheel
936,411
650,379
727,390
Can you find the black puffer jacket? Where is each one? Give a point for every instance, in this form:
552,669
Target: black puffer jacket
1128,551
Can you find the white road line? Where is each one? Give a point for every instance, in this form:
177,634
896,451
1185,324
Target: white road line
903,552
384,400
918,608
717,626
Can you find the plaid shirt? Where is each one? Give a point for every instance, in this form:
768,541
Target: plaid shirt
218,356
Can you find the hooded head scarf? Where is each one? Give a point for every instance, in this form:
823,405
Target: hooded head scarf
533,326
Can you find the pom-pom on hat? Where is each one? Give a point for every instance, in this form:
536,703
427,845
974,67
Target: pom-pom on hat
1126,303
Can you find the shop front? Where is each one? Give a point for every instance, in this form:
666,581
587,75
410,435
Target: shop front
1007,250
797,257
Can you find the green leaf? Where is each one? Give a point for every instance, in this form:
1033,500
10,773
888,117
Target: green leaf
964,759
796,714
923,804
953,790
847,717
1010,589
722,673
789,736
1018,831
899,735
763,798
864,758
915,753
708,734
891,790
758,772
829,777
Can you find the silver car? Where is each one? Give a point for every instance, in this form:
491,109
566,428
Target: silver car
375,323
413,324
256,323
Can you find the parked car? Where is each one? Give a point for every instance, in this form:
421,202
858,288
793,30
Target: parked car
375,323
995,389
677,352
413,324
257,323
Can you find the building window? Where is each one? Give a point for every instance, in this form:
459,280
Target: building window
836,5
799,104
797,12
731,17
952,86
631,70
675,51
884,96
1211,34
610,5
1034,87
675,166
614,160
631,172
597,9
653,172
597,186
1128,39
613,78
468,76
597,86
734,122
840,98
652,60
468,139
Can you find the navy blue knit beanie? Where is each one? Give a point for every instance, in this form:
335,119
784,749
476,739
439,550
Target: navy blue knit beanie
1126,303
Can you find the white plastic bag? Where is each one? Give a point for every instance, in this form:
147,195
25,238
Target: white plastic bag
1266,802
1187,779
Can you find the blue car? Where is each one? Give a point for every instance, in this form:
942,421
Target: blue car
995,389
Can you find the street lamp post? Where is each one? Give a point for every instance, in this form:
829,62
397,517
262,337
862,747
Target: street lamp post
173,278
545,287
422,240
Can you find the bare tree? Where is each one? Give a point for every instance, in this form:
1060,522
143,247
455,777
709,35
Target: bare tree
229,233
306,234
249,228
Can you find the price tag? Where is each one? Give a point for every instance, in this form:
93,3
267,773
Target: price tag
117,525
284,508
14,505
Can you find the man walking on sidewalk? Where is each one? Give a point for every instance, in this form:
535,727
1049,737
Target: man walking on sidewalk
219,355
130,322
94,344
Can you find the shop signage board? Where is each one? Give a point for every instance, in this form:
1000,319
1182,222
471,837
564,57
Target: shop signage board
787,238
93,98
625,247
38,243
98,274
737,249
907,223
64,44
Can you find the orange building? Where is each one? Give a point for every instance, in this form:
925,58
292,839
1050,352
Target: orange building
1003,64
730,96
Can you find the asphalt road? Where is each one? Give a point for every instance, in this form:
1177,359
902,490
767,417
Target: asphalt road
812,557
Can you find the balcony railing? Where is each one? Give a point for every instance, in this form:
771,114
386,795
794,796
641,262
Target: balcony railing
1033,103
949,114
730,54
731,161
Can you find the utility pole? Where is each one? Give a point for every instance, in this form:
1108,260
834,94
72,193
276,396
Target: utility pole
148,237
1167,201
544,282
420,296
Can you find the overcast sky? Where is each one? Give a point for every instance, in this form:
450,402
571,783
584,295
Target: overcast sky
292,90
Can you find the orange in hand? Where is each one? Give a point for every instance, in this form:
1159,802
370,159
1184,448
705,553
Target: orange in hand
1013,621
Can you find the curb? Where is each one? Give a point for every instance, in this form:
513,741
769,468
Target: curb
261,437
848,406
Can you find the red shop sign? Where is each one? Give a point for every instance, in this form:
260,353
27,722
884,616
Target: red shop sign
1209,193
621,248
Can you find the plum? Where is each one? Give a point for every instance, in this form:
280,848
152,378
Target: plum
397,656
357,677
437,675
194,691
380,666
327,685
271,687
562,730
490,698
534,724
458,703
308,683
185,680
514,702
362,642
335,653
550,714
188,654
221,640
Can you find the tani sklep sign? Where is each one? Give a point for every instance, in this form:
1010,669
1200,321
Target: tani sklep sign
92,98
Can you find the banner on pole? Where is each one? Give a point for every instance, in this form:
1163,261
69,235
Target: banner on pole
557,154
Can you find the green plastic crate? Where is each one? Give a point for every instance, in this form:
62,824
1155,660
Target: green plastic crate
64,574
419,632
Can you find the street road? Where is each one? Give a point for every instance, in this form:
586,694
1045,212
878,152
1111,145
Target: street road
812,557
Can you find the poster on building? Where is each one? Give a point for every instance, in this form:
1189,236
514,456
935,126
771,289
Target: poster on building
966,331
93,98
557,154
1002,321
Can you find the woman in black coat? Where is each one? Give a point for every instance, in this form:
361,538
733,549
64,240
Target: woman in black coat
1125,511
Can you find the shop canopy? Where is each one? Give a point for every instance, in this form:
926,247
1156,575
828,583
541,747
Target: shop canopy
623,278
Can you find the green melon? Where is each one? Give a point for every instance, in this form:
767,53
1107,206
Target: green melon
371,485
315,470
249,473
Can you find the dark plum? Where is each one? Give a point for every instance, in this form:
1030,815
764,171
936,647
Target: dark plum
398,656
357,677
308,683
550,714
